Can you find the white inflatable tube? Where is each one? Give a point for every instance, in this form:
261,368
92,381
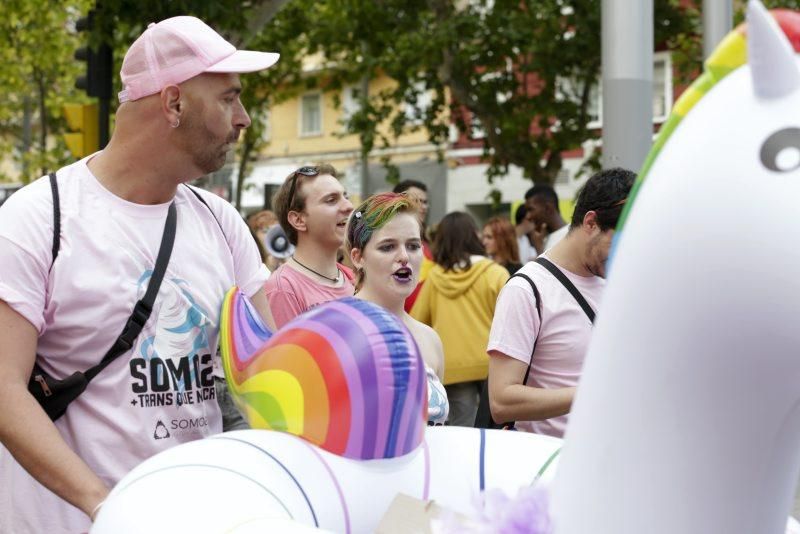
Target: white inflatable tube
277,482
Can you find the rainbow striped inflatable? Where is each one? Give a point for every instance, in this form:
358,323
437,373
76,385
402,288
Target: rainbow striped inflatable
346,376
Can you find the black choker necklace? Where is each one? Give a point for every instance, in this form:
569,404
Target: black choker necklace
333,280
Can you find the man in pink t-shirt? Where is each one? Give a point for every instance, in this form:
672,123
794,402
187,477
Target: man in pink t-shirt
561,337
62,308
312,208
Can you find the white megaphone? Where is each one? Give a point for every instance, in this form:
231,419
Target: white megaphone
276,242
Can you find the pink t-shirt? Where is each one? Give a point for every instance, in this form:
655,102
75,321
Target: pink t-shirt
159,394
291,292
563,336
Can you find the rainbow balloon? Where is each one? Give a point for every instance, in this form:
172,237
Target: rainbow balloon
346,376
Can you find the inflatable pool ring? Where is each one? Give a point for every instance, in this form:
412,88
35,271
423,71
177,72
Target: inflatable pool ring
686,418
256,475
346,376
250,476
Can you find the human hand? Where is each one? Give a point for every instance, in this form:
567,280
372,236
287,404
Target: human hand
524,228
538,236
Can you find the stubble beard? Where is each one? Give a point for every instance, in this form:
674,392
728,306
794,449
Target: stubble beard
208,153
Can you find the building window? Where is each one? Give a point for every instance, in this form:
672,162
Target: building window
266,125
662,86
351,101
423,100
662,92
476,130
311,115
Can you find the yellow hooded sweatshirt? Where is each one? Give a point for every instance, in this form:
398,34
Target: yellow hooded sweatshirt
459,306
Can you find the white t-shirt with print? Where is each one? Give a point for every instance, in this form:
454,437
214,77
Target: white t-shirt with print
563,335
159,394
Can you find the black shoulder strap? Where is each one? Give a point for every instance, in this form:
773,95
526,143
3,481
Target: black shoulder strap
144,307
201,199
483,418
555,271
56,217
537,299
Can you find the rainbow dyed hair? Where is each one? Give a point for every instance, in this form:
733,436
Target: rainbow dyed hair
372,215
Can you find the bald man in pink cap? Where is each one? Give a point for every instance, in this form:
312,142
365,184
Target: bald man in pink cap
115,259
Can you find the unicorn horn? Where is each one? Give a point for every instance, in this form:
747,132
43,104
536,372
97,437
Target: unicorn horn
771,57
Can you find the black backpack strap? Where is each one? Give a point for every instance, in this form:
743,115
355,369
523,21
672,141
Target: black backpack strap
56,217
144,307
555,271
483,417
537,298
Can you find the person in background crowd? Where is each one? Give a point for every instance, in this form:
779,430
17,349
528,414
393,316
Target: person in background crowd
524,229
500,242
312,208
541,202
260,223
458,301
385,243
418,192
554,343
65,296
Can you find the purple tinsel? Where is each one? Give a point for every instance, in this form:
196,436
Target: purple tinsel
497,513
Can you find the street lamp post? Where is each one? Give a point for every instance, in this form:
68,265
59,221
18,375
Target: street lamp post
627,53
717,23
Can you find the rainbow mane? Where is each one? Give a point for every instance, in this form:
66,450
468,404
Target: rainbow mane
346,376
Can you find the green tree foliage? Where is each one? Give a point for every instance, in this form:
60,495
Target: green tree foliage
524,69
37,73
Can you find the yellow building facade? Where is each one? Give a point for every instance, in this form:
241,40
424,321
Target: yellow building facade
309,128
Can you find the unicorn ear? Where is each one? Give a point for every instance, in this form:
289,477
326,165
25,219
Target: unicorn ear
771,57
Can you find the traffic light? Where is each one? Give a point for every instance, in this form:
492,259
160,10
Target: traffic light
97,79
82,120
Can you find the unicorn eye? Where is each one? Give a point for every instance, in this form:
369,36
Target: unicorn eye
781,151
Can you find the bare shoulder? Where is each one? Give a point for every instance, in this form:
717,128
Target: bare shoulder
423,332
429,343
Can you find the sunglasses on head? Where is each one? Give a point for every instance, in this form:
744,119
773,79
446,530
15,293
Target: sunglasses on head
305,171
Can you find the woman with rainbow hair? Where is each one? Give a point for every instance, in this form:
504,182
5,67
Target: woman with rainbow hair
384,240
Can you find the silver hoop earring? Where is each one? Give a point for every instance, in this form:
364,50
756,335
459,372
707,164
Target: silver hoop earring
176,123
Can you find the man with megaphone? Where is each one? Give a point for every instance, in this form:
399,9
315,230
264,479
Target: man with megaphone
312,208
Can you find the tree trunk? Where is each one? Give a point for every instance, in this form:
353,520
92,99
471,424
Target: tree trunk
247,149
264,13
42,118
364,99
27,133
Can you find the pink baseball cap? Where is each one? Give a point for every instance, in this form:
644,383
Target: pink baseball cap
180,48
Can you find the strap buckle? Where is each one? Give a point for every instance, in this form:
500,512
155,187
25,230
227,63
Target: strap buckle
137,320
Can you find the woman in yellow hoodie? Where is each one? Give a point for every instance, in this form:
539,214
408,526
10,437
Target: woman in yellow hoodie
457,300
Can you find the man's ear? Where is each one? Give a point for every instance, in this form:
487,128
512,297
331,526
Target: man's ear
356,258
172,104
297,220
590,221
